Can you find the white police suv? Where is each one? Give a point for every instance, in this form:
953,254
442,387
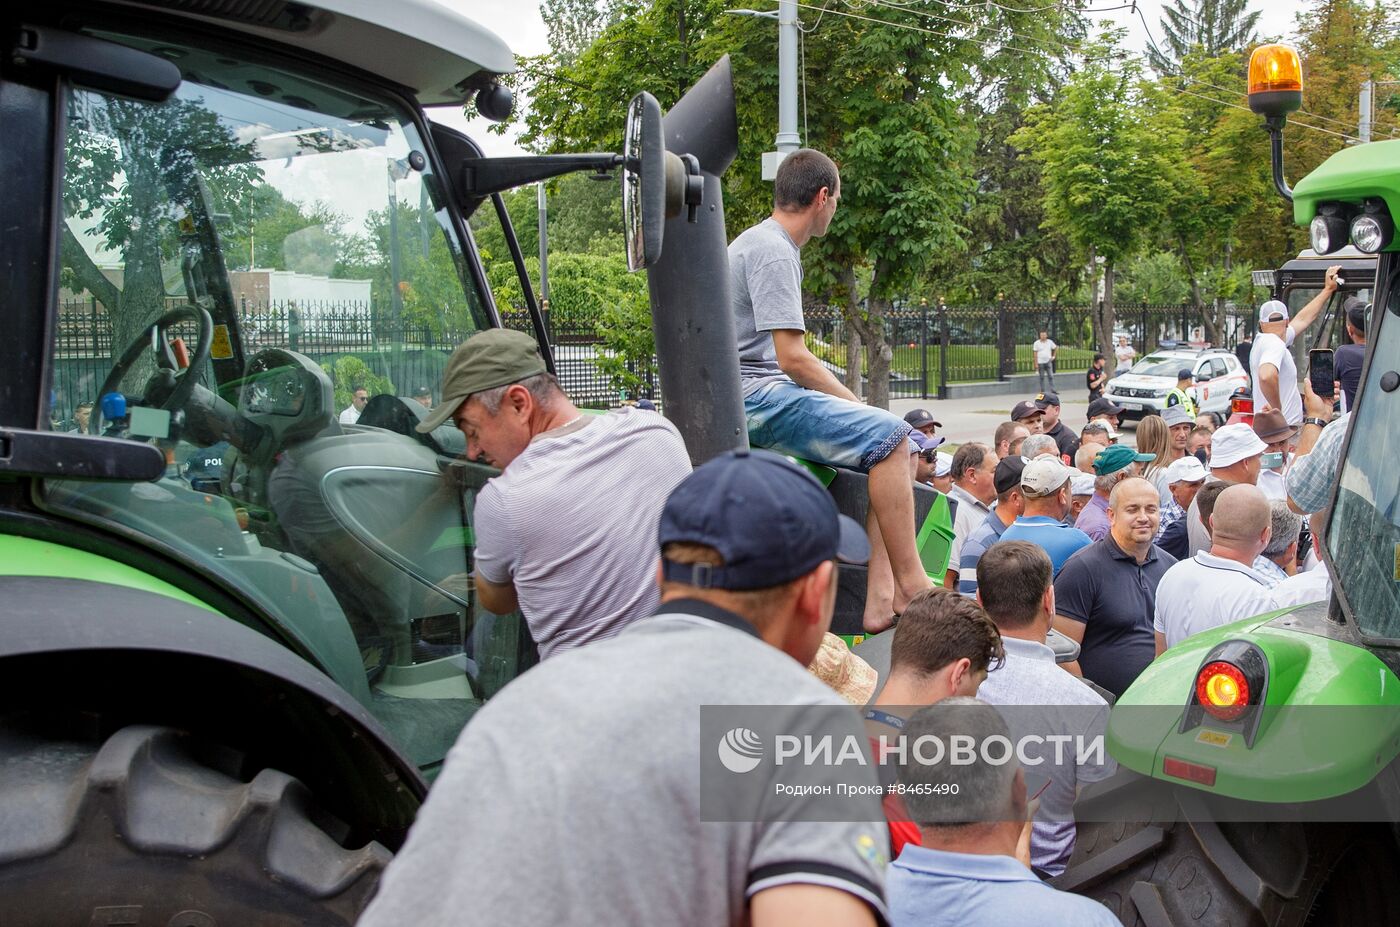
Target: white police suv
1215,375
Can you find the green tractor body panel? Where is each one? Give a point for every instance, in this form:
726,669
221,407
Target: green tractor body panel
21,556
1350,176
1315,739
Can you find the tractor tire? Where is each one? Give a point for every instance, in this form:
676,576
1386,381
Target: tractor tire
136,830
1176,867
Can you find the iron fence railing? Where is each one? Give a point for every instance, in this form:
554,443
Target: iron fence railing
932,344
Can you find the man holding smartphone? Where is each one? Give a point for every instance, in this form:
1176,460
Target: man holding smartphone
1271,365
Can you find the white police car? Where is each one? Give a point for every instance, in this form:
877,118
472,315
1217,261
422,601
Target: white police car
1215,375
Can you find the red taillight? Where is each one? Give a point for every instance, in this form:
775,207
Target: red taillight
1191,772
1222,690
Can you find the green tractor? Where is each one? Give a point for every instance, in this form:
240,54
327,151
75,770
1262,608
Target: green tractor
1263,783
237,631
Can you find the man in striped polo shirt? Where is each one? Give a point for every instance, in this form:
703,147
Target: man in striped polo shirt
565,533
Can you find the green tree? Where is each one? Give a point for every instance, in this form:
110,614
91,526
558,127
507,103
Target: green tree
257,235
1211,27
349,373
1109,148
1153,278
133,174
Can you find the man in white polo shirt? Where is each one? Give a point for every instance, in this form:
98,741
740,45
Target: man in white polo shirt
1218,586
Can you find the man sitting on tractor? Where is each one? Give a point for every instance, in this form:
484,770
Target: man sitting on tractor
794,404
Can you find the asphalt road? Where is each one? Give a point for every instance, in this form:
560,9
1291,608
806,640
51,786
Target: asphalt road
976,419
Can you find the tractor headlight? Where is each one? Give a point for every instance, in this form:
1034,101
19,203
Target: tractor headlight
1373,229
1328,229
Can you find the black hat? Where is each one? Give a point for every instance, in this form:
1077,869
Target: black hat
1047,399
1184,373
1008,473
769,519
1102,406
422,391
918,418
1026,408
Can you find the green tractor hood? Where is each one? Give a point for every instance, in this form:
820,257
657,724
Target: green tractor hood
1326,722
1351,176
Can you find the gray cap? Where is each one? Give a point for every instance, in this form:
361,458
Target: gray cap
1176,415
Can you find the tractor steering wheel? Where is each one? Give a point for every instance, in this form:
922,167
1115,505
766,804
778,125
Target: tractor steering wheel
153,337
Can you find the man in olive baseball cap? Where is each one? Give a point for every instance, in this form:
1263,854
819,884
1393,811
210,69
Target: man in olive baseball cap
551,538
486,360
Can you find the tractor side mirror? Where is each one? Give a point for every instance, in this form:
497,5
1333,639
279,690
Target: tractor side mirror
656,183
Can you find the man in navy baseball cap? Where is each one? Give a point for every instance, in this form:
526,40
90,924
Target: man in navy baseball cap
769,521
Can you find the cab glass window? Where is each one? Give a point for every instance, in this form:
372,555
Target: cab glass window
1363,533
259,277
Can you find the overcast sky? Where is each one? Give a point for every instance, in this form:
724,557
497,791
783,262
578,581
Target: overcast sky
518,22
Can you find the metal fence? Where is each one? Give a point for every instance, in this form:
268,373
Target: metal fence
407,354
933,345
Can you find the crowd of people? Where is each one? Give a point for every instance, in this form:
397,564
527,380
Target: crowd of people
718,587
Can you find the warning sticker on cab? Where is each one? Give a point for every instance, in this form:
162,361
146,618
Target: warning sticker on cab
222,348
1214,738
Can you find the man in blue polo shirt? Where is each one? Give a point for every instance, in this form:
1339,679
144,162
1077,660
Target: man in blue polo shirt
1045,485
1106,595
967,871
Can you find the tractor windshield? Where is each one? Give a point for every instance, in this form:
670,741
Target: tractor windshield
288,239
1364,530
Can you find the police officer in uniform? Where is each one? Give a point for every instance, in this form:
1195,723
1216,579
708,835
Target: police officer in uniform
1180,394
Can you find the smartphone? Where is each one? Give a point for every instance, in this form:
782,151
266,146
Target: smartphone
1322,372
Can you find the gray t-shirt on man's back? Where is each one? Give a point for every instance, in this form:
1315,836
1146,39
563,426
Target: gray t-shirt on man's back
574,796
765,281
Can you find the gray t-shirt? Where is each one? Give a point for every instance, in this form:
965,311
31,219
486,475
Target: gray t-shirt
572,523
574,797
765,281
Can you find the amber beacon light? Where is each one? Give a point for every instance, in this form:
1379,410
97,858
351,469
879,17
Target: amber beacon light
1275,80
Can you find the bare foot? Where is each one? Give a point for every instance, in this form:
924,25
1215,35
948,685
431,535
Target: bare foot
874,625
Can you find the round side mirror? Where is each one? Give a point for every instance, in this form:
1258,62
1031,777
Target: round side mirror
643,182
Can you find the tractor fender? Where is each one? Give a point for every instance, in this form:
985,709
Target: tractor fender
114,656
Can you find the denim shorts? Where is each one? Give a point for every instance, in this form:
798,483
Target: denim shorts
815,426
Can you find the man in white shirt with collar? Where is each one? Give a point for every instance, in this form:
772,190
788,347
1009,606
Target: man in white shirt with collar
1218,586
1271,366
974,490
1014,586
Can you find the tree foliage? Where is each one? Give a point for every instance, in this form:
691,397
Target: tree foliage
1208,27
1109,148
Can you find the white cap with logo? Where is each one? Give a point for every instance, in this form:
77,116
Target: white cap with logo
1045,475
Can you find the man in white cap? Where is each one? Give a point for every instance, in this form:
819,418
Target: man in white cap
1081,487
1184,478
1271,366
942,472
1045,485
1235,457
